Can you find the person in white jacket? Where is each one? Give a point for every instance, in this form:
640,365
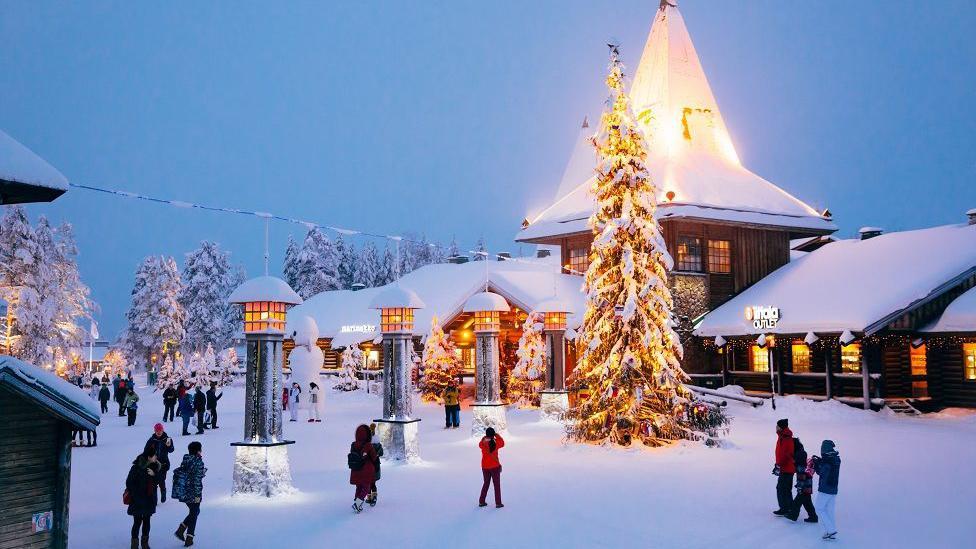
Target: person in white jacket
314,403
294,394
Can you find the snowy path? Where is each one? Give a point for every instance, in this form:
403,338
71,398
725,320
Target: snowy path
904,483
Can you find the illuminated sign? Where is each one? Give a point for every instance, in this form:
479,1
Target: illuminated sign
762,317
358,329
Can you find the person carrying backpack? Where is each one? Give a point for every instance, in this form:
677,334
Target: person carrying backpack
131,405
784,468
491,468
362,464
140,495
188,488
827,466
804,485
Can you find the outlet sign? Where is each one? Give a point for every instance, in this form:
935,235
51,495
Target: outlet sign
762,317
358,329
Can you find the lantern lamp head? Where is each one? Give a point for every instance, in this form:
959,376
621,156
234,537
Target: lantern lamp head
265,300
396,305
554,311
487,308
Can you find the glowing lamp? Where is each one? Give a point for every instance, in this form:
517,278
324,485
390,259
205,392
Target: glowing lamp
396,305
554,312
265,300
487,308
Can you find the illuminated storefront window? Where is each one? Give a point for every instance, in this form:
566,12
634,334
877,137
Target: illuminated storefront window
758,359
969,360
850,358
801,358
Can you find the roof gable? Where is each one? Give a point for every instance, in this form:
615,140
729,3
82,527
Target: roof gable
50,392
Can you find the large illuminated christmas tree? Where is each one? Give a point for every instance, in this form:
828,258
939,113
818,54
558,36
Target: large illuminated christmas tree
440,362
628,376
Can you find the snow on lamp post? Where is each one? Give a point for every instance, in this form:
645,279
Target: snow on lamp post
261,463
554,399
488,409
397,429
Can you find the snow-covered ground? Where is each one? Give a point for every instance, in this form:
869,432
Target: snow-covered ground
905,482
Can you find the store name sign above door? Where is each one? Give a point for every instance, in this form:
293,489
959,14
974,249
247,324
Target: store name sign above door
358,329
762,317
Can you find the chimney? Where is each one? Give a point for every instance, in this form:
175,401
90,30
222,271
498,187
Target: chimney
502,256
542,253
971,215
870,232
457,259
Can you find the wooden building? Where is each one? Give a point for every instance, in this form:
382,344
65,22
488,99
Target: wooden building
39,412
848,321
726,227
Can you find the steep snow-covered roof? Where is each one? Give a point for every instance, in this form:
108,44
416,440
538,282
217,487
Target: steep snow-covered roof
690,151
959,316
854,285
24,176
264,288
444,288
50,391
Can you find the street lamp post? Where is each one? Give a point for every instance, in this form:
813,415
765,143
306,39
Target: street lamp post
554,399
488,409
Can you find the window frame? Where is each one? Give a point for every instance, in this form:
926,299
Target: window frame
763,354
855,350
681,264
578,258
969,361
720,254
808,367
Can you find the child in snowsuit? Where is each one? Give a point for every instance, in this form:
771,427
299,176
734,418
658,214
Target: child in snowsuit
362,464
131,405
314,403
491,468
804,485
293,395
827,466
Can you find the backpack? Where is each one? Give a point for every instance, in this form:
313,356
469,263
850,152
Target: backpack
178,488
355,460
799,454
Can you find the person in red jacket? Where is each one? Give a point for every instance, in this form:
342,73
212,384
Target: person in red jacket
784,468
362,457
491,469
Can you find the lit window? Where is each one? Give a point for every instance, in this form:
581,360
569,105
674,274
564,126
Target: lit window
555,321
396,320
918,360
262,316
969,360
719,256
801,358
758,359
850,358
487,321
689,254
579,259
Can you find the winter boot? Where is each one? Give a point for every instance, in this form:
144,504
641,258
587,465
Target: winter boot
812,520
162,495
371,499
189,540
357,505
181,532
145,542
135,543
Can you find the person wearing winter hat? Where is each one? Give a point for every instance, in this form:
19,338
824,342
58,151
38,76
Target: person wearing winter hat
163,445
827,466
784,468
362,464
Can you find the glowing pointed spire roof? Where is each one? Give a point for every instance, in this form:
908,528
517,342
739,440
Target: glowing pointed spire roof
690,152
581,162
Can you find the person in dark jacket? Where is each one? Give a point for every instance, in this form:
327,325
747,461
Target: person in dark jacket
181,390
491,468
212,398
200,406
827,466
372,497
363,477
103,396
804,485
169,403
784,468
185,412
163,445
192,470
118,393
131,405
140,485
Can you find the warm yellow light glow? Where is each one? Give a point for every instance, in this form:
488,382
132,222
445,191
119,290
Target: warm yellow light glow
396,320
759,359
486,321
263,316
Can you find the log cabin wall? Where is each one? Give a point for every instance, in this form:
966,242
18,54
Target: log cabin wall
947,375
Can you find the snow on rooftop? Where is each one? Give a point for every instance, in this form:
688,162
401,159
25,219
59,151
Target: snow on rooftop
690,151
444,288
486,301
959,316
20,165
852,284
264,288
48,382
395,296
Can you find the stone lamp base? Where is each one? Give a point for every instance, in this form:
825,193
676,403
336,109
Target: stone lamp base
400,439
553,404
485,415
262,469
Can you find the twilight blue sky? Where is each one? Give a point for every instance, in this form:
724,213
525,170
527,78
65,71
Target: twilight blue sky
456,118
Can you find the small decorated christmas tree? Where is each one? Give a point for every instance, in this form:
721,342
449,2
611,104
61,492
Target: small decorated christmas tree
631,386
115,362
226,367
352,360
167,375
181,373
440,364
200,369
529,374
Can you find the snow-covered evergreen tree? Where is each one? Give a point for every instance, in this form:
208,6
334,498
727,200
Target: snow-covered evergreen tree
166,376
480,250
387,272
452,249
181,372
41,341
318,265
155,316
529,374
208,279
628,351
352,361
115,362
291,266
368,266
440,362
208,364
346,252
227,367
234,312
75,307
